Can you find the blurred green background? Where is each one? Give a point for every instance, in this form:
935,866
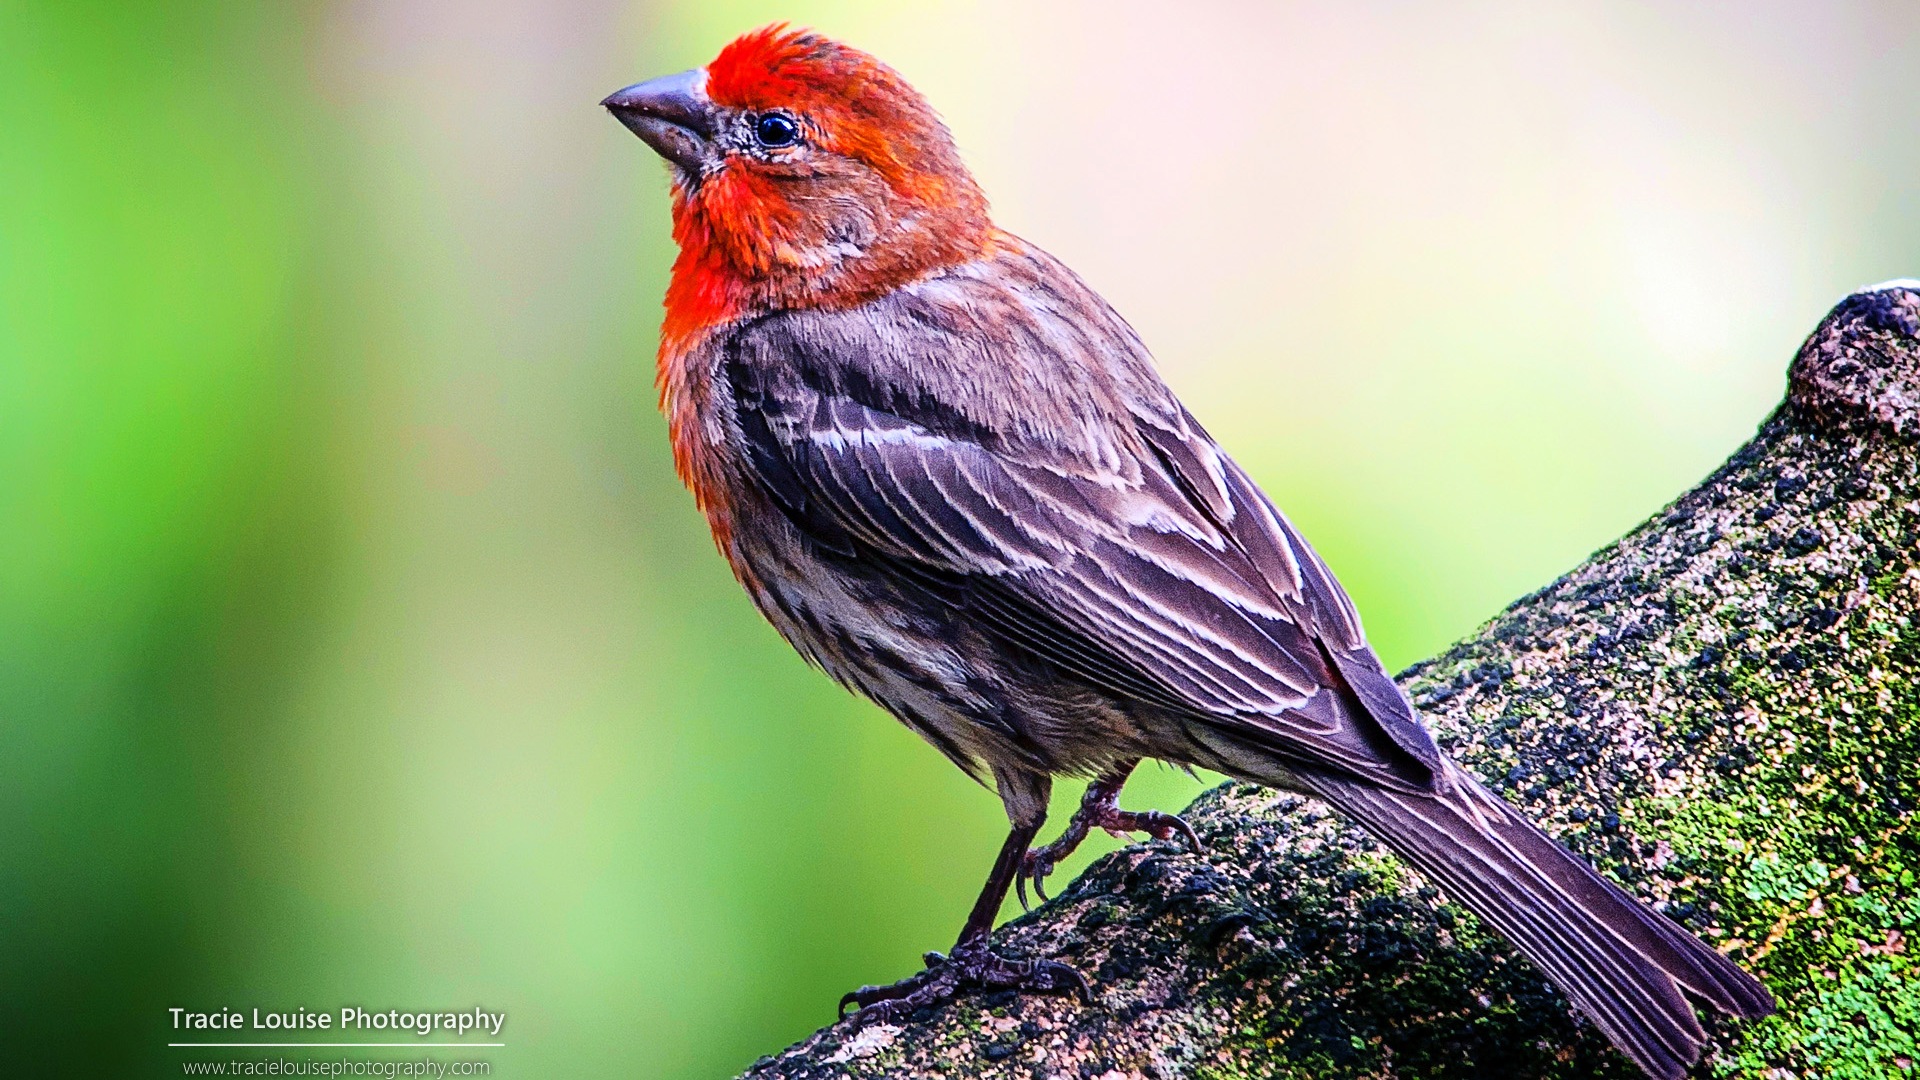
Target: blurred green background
357,645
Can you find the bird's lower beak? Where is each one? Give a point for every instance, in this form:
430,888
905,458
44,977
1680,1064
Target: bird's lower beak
672,114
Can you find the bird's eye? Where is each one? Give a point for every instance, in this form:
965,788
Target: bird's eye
776,130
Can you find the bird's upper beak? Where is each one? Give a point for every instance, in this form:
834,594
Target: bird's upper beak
672,114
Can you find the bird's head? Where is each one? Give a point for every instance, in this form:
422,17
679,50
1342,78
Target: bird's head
805,173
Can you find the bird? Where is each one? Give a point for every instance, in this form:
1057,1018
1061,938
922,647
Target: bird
948,474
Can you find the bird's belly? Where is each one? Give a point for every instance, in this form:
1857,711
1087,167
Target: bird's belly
922,661
871,640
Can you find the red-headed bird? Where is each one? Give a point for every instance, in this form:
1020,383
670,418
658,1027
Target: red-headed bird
948,474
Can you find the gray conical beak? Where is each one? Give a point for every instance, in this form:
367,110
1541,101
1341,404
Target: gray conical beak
671,114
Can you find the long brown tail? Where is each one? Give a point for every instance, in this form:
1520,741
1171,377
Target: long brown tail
1621,963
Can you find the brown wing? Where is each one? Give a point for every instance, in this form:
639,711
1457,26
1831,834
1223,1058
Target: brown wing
1077,511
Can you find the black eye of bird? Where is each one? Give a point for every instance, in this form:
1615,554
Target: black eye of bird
776,130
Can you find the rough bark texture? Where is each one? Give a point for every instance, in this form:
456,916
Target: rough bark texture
1720,710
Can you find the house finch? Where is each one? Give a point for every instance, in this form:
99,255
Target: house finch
947,473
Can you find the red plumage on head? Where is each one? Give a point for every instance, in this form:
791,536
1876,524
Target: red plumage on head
859,106
877,195
770,65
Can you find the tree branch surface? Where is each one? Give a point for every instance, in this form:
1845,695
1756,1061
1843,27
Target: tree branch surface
1721,710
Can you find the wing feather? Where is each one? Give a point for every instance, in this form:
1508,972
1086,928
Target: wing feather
1116,544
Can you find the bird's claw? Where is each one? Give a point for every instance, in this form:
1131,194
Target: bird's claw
1035,866
972,966
1163,826
1038,864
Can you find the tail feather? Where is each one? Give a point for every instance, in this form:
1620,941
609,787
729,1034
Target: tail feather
1623,964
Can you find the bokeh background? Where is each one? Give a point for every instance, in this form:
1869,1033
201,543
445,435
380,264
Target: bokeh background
357,645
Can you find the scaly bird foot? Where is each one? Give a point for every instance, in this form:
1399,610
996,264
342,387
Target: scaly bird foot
1097,810
972,966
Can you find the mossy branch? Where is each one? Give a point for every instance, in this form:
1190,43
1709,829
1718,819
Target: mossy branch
1722,710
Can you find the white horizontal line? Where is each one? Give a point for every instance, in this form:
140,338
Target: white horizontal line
404,1045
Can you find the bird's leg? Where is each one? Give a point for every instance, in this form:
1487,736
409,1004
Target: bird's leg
972,965
1099,808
